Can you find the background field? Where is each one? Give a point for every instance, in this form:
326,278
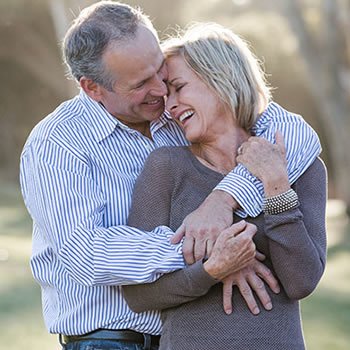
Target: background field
326,314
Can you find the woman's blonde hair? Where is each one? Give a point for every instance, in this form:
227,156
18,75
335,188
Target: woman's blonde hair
227,66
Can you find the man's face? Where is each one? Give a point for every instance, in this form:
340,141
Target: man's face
139,71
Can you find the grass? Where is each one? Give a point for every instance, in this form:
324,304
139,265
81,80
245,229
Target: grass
326,313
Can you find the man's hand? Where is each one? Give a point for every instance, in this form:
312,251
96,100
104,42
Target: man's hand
234,249
248,280
202,227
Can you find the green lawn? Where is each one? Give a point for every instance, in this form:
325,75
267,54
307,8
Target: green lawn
326,314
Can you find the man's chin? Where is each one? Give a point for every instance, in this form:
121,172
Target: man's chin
155,114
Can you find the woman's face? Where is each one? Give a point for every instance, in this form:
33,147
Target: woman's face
200,112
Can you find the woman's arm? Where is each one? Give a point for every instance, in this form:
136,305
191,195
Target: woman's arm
170,290
297,238
233,251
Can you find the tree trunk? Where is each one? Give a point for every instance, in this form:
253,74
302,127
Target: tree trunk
324,64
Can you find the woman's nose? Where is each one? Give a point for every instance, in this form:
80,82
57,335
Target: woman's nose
171,104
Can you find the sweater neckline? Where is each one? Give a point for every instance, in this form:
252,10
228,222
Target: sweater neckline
200,166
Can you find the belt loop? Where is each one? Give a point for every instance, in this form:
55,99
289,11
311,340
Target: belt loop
147,341
60,339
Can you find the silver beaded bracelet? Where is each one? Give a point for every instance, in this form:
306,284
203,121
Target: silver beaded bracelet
282,202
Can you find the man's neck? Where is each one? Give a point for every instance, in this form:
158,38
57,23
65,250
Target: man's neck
143,128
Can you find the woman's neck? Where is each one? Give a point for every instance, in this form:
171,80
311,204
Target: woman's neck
220,154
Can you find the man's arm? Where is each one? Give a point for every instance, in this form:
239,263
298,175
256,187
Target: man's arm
68,210
233,251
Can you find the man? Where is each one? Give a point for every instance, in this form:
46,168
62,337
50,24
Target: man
78,169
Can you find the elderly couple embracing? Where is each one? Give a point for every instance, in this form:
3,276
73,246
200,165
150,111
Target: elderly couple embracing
174,205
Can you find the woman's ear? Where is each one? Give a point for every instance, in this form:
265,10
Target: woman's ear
92,89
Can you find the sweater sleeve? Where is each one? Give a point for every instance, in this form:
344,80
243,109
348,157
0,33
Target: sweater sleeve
171,290
297,238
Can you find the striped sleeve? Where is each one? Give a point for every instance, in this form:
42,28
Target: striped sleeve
302,148
65,202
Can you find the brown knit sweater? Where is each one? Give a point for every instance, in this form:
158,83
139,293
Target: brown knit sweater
172,185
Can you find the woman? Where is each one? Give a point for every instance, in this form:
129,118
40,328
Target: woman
291,234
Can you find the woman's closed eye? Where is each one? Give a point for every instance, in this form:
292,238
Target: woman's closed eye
179,87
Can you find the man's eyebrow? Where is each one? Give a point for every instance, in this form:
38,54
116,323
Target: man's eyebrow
150,77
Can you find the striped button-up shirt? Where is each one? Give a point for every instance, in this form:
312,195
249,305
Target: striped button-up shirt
78,169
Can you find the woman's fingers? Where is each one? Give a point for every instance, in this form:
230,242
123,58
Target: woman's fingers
227,295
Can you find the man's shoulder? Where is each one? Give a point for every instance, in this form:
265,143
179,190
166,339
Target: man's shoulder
57,121
277,114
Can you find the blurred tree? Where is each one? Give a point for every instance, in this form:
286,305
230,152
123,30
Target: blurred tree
31,72
326,54
304,44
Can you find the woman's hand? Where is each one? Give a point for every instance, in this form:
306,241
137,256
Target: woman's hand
232,251
267,162
248,280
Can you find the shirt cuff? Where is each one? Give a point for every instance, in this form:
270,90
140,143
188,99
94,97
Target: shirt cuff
244,192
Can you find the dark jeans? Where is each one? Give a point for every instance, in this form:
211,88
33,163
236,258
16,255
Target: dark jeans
104,345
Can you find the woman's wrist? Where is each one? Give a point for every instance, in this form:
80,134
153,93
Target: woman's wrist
275,184
280,203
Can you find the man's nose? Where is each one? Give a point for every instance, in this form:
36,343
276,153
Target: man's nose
159,87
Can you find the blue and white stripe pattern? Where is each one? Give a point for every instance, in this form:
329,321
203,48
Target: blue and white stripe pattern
302,148
78,169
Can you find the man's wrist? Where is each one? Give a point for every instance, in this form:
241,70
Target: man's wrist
225,198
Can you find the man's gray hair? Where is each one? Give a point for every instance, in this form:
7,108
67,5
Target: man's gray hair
95,29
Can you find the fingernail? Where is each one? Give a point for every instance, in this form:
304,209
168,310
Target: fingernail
228,312
277,290
256,311
268,306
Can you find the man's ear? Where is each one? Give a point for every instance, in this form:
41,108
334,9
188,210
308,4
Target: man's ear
91,88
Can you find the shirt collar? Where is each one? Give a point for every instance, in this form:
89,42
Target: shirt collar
102,123
161,121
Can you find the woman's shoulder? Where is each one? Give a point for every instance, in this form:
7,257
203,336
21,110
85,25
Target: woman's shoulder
165,153
318,167
167,156
314,175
